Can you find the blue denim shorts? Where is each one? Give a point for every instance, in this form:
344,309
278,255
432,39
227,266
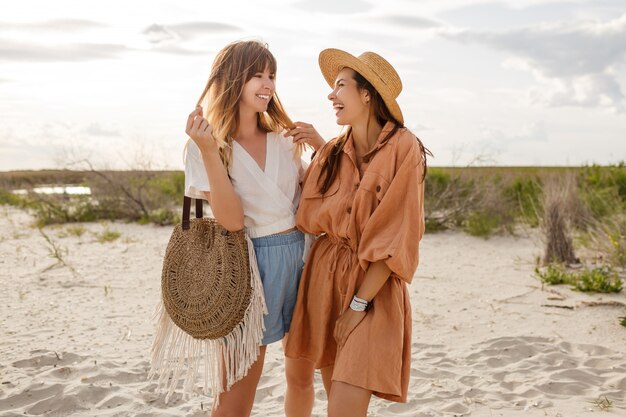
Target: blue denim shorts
280,264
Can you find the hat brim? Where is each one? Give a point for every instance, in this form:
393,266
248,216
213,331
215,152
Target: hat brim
332,61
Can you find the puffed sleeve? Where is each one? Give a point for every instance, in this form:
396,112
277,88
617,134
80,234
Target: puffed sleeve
196,179
393,231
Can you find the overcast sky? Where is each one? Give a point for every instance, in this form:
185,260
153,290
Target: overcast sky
512,82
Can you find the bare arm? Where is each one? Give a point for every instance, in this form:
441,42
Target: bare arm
225,203
377,274
375,277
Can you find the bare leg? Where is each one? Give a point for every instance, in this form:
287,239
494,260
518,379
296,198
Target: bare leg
327,374
348,400
239,400
300,393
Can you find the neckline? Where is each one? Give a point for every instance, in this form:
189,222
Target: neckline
251,158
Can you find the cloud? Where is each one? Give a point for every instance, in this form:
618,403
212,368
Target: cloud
493,143
594,90
497,139
176,50
60,25
411,22
94,129
31,52
334,7
577,61
201,28
158,34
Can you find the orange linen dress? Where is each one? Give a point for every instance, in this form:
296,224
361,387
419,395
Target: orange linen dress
376,214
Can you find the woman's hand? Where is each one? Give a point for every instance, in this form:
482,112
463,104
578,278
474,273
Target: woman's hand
346,323
200,131
306,133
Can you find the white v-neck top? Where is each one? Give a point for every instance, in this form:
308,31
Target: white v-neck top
270,198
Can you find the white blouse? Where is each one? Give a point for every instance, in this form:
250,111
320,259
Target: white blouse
270,198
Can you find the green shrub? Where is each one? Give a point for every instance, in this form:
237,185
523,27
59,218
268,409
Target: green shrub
433,226
623,321
526,195
77,230
7,198
604,189
615,235
436,180
162,217
57,210
108,235
481,223
603,279
553,274
172,185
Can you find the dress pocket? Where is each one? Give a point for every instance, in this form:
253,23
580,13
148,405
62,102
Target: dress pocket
375,183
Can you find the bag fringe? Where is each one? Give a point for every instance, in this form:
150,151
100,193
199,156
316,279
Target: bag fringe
176,354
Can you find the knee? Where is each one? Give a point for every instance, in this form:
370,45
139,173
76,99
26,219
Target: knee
300,380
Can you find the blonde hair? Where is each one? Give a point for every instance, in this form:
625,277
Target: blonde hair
232,68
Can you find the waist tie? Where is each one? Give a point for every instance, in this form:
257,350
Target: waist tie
339,246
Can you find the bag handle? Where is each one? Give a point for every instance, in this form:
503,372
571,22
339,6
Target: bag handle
187,210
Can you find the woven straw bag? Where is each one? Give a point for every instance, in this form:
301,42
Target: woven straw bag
211,310
205,284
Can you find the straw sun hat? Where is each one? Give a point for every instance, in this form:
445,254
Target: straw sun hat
373,67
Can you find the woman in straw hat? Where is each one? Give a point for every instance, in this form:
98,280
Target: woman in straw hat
250,174
363,196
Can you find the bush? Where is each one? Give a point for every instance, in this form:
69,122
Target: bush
604,189
553,274
108,235
144,196
77,230
58,209
602,279
559,200
7,198
481,223
608,239
138,195
526,196
455,201
162,217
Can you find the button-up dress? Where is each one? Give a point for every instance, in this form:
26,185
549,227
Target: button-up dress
372,214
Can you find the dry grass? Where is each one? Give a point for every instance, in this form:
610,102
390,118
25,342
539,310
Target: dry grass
57,252
559,200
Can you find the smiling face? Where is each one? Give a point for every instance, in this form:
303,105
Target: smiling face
349,102
258,91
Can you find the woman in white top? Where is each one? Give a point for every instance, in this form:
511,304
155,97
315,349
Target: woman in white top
239,161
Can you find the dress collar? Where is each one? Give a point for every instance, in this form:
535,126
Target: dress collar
348,148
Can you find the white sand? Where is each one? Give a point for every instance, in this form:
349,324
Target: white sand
484,343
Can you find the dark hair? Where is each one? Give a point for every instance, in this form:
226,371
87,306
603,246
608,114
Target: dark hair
331,161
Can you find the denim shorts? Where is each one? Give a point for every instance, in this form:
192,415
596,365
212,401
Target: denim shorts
280,264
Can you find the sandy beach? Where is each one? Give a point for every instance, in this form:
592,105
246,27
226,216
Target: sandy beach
488,340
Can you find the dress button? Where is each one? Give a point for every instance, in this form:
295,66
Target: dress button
366,159
349,210
357,185
377,188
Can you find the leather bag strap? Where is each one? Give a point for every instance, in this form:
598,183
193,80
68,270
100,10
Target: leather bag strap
187,210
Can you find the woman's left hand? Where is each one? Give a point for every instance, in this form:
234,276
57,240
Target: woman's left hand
346,323
306,133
